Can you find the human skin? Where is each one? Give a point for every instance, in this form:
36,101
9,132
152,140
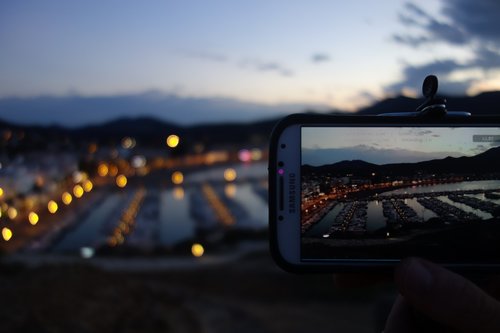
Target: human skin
434,299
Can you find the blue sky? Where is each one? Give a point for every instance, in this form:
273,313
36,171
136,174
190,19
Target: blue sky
339,54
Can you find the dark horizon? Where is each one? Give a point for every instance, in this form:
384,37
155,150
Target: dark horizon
193,111
486,161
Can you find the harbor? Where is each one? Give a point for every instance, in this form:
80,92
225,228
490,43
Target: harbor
161,218
383,214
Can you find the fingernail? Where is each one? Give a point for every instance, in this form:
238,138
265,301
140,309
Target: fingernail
417,278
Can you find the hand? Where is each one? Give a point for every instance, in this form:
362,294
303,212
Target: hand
428,291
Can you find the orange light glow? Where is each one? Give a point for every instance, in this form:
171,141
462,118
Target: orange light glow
87,186
230,190
173,141
103,169
178,193
52,207
197,250
177,178
230,174
92,148
113,170
78,191
66,198
12,213
6,234
121,181
33,218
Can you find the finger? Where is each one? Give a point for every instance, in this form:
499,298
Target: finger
400,319
447,297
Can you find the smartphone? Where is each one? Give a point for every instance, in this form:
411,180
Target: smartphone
363,192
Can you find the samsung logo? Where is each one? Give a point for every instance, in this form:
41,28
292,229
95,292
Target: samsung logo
291,193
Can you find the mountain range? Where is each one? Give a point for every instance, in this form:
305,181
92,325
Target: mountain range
78,111
222,121
485,162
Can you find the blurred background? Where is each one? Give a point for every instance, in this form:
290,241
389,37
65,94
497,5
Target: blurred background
134,148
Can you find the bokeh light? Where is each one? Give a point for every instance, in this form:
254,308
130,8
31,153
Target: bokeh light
177,178
103,169
66,198
113,170
128,143
178,193
52,207
230,190
78,191
173,140
245,155
33,218
12,213
230,174
121,181
6,234
87,186
197,250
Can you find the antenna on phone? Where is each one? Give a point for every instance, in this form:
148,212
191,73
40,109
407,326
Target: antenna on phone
432,107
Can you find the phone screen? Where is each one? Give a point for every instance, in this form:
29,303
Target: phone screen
391,192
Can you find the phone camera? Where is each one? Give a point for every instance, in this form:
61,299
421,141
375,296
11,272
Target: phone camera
280,164
280,217
283,146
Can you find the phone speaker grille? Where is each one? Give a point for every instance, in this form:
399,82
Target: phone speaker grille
281,193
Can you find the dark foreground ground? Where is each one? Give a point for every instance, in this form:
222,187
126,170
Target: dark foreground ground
248,295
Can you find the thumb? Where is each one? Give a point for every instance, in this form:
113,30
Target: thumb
446,297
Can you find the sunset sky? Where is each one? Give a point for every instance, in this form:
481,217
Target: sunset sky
337,54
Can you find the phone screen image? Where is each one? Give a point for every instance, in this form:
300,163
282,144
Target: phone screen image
390,192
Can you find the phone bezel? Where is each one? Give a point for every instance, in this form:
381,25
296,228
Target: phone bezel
281,237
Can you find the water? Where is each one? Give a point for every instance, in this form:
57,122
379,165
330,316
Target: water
322,227
176,223
421,211
376,219
245,195
243,172
166,217
89,231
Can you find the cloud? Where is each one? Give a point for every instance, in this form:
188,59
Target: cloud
208,56
432,30
267,66
479,19
320,57
466,24
413,76
255,64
